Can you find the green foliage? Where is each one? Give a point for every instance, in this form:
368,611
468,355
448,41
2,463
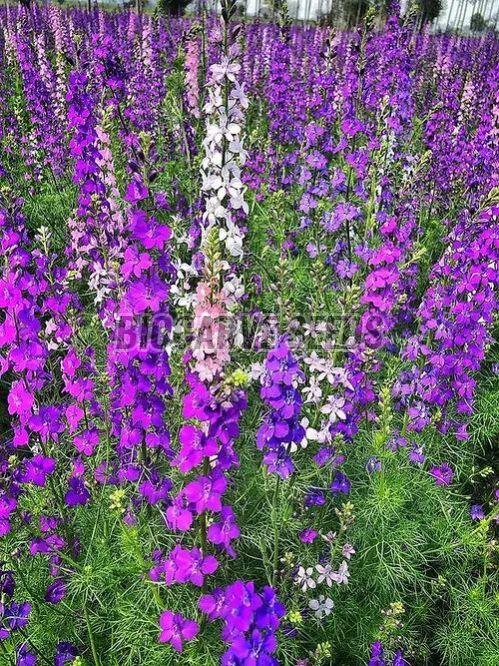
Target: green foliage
477,22
423,573
430,9
175,7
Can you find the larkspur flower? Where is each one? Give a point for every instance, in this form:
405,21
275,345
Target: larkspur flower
477,512
342,575
347,551
281,433
304,578
377,652
322,606
443,474
326,574
340,484
308,535
65,654
176,629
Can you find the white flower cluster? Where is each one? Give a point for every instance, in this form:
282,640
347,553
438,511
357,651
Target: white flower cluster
224,152
324,376
327,574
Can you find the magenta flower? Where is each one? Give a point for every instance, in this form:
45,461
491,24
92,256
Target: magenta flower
178,516
194,446
188,566
206,493
308,535
87,441
20,400
7,507
47,423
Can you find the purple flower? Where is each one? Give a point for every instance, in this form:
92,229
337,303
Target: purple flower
376,655
205,493
87,441
443,474
314,497
178,516
477,512
222,533
398,659
24,657
20,400
183,566
77,493
16,615
65,654
373,465
7,583
308,535
47,423
340,484
175,629
250,618
416,455
37,469
7,507
281,432
55,592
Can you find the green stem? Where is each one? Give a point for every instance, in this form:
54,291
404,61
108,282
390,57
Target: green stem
202,518
37,651
157,595
95,656
275,520
405,423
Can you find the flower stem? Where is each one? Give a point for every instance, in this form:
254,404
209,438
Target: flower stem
202,517
275,506
95,656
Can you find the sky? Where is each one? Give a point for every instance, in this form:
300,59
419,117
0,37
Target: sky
452,9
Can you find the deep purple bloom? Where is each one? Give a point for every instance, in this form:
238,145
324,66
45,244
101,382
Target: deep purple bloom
16,614
77,493
341,484
55,592
65,654
443,474
376,655
222,533
24,657
309,535
399,660
37,469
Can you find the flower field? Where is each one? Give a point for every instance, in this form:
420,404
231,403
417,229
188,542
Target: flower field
249,376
